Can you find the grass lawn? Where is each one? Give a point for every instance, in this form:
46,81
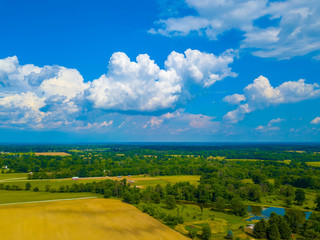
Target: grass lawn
29,196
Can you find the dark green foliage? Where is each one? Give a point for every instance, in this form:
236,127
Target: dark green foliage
229,235
258,177
28,186
285,230
206,233
260,229
192,233
220,203
295,219
170,202
36,189
273,232
317,202
300,196
238,207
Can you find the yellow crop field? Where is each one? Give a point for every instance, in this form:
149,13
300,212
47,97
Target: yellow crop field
83,219
313,164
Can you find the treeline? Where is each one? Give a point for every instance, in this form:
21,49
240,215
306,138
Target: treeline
284,227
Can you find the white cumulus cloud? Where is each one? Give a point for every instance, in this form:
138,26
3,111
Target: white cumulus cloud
57,97
291,27
316,120
260,94
142,86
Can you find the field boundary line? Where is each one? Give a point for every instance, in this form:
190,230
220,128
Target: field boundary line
41,201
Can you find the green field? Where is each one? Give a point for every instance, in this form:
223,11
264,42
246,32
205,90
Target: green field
13,176
41,184
29,196
163,180
11,179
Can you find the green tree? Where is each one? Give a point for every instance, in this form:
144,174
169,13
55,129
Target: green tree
229,235
170,202
220,203
192,233
317,202
238,207
47,187
36,189
300,196
284,229
258,177
295,219
28,186
288,202
206,233
273,232
260,229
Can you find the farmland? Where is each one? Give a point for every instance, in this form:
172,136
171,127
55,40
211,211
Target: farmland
81,220
30,196
62,154
20,179
313,164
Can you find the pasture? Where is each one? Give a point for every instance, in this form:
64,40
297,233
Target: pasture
84,219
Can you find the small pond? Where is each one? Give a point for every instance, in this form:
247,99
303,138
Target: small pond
258,212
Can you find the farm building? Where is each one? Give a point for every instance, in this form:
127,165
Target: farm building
75,178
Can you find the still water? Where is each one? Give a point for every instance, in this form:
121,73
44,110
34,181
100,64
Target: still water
258,212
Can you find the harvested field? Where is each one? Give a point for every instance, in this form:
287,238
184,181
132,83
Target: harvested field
84,219
62,154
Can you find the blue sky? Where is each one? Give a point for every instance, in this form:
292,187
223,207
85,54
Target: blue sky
183,70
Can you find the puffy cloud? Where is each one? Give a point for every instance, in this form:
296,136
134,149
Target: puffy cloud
143,86
316,120
270,127
67,82
276,120
95,125
154,122
203,68
291,27
260,94
180,121
138,86
38,97
57,97
21,109
234,99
